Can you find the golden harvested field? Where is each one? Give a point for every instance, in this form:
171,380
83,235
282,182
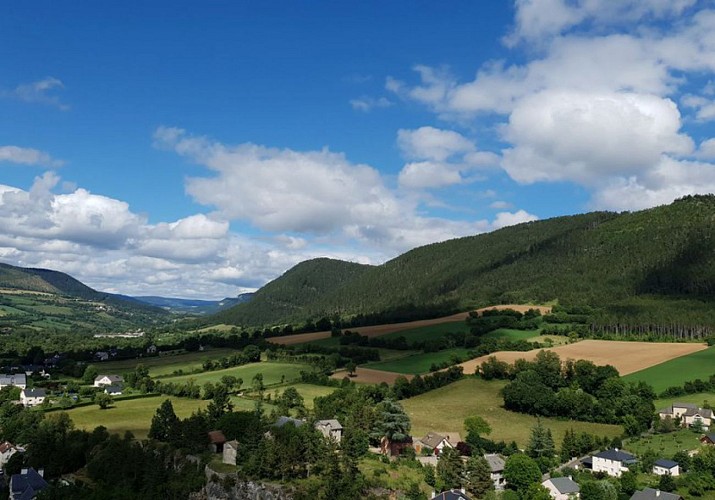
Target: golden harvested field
626,357
370,376
377,330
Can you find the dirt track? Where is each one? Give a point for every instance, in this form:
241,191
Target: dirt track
626,357
377,330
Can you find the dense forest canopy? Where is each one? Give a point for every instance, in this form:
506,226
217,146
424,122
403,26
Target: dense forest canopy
651,266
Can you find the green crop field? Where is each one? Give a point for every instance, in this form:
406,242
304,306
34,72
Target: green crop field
677,371
164,365
430,332
130,415
273,373
419,363
445,409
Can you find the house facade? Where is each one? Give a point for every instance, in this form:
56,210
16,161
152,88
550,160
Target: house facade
664,467
32,397
7,449
432,441
103,380
16,380
688,414
613,462
562,488
496,470
330,429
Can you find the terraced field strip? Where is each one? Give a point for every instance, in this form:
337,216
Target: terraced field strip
626,357
378,330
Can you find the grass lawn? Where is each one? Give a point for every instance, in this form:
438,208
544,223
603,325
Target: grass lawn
665,445
395,476
419,363
698,398
272,374
133,415
445,409
163,365
677,371
308,391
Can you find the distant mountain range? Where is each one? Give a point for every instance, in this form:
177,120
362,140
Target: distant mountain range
190,306
651,266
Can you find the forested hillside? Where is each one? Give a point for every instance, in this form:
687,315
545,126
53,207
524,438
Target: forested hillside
652,266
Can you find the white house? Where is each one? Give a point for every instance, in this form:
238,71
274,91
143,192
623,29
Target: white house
562,488
17,380
331,429
7,449
437,442
664,467
32,397
102,380
688,414
613,462
496,469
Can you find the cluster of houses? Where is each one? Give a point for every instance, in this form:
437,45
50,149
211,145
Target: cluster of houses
688,415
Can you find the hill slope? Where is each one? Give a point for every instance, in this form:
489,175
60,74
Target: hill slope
41,299
656,264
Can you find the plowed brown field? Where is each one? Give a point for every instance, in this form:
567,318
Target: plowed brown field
377,330
626,357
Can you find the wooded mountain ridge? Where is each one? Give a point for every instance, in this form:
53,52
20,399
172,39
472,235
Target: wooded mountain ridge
646,267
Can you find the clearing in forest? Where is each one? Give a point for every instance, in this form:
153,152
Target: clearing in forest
379,330
626,357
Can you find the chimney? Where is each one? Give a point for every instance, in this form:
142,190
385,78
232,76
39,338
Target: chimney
41,472
23,471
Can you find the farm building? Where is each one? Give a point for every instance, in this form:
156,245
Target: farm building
688,414
18,380
653,494
436,442
216,441
562,488
113,390
230,450
331,429
32,397
664,467
102,380
613,462
496,469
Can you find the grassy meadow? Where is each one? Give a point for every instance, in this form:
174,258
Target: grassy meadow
677,371
665,445
273,373
164,365
445,409
308,391
131,415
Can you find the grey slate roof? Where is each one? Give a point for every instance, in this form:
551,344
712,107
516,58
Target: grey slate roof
690,406
651,494
34,393
284,420
667,464
332,423
616,455
26,486
565,485
17,379
496,463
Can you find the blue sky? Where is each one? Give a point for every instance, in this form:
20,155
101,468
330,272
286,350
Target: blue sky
200,149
